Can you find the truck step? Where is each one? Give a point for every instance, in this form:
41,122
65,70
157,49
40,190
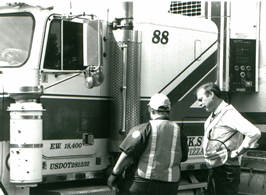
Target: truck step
91,190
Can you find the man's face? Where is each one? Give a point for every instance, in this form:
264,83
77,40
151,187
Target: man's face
205,100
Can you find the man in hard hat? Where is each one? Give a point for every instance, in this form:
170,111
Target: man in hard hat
222,141
157,149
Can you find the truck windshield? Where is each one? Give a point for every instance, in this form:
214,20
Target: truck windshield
15,38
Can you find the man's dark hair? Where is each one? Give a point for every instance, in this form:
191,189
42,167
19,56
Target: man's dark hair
211,87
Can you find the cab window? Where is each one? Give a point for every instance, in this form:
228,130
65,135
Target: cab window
64,50
16,32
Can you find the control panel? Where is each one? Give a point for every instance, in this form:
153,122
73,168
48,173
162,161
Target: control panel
242,65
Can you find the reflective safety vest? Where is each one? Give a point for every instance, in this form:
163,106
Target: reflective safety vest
162,155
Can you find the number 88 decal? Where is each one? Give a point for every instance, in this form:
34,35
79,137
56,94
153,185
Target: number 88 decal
159,37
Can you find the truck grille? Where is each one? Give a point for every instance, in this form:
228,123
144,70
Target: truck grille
187,8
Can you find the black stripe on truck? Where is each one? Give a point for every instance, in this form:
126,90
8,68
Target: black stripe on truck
191,80
180,90
66,118
70,118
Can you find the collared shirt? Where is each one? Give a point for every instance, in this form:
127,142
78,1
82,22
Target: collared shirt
227,120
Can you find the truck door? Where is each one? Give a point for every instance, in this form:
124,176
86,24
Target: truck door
74,133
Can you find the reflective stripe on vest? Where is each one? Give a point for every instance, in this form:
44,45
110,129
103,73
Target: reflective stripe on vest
161,158
170,169
152,152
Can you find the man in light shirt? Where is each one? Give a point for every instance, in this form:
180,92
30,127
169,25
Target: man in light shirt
223,141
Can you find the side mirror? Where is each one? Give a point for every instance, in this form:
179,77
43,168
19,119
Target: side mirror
92,43
93,53
94,77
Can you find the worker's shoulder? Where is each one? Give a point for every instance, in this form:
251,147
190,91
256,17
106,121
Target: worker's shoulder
139,127
172,123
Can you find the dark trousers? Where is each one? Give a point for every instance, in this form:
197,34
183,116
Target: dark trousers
152,187
224,180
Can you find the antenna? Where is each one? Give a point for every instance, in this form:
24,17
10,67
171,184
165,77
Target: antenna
107,15
70,6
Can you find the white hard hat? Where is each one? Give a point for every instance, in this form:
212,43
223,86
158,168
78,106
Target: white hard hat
160,102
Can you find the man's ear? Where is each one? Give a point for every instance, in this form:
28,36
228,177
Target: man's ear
211,94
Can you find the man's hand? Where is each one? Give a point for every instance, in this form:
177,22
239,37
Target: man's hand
233,154
117,170
111,182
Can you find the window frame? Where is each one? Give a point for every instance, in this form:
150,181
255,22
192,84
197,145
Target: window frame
48,25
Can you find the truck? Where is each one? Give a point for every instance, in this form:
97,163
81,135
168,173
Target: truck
76,76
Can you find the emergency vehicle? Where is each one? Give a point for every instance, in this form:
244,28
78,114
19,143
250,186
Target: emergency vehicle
73,83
